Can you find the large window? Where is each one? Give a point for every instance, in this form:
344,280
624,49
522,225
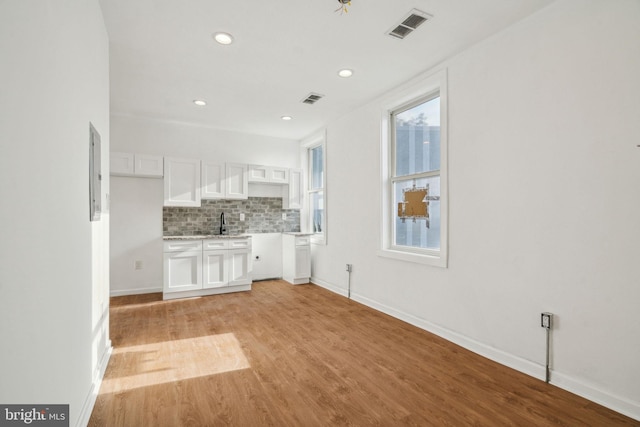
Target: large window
414,200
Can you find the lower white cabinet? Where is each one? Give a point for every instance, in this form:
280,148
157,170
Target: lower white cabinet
182,266
296,258
206,267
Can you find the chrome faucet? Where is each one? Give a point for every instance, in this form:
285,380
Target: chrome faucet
223,224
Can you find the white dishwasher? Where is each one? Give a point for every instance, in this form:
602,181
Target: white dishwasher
296,257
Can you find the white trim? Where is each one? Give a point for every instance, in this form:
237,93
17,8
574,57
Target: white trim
435,260
328,286
136,291
525,366
535,370
609,400
92,396
205,292
317,139
436,80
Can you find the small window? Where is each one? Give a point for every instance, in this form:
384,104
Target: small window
316,190
317,206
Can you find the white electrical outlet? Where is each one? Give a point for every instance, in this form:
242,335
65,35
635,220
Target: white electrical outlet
241,217
138,264
284,215
545,320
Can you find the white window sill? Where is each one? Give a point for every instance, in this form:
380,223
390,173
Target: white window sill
436,261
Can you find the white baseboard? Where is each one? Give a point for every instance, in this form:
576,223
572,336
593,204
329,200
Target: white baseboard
329,286
90,401
530,368
138,291
616,403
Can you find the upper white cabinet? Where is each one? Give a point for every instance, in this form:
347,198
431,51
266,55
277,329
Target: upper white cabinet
213,180
140,165
236,186
268,174
181,182
294,193
224,181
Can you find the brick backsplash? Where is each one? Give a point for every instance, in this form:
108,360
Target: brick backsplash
262,215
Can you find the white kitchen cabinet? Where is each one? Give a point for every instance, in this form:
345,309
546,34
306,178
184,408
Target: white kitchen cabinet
213,180
215,271
136,165
182,266
293,194
296,258
236,183
268,174
181,182
224,181
207,267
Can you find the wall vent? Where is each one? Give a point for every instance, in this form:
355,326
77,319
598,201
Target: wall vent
413,20
312,98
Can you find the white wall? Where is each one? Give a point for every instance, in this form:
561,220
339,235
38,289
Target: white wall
544,178
182,140
53,268
136,217
136,235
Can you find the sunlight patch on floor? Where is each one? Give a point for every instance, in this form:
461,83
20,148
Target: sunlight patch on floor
169,361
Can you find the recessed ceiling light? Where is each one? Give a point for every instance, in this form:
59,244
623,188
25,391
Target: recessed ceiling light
223,38
200,102
345,73
286,118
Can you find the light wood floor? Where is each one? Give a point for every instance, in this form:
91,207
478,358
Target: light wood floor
284,355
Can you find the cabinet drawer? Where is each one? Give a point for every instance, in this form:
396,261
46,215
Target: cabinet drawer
183,245
303,240
239,244
215,244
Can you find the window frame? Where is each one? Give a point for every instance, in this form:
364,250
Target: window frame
423,90
318,140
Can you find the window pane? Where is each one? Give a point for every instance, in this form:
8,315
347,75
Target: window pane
417,213
316,168
317,212
417,138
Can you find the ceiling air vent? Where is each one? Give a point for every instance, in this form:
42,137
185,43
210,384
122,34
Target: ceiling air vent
312,98
409,23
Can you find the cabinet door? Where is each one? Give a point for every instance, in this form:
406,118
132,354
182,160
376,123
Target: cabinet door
149,166
303,262
295,190
258,173
213,180
278,175
240,267
121,164
182,271
214,269
182,182
237,186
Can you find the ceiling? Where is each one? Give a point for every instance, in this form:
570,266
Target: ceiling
163,56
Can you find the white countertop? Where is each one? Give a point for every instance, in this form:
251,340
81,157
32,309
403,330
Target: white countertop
207,236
